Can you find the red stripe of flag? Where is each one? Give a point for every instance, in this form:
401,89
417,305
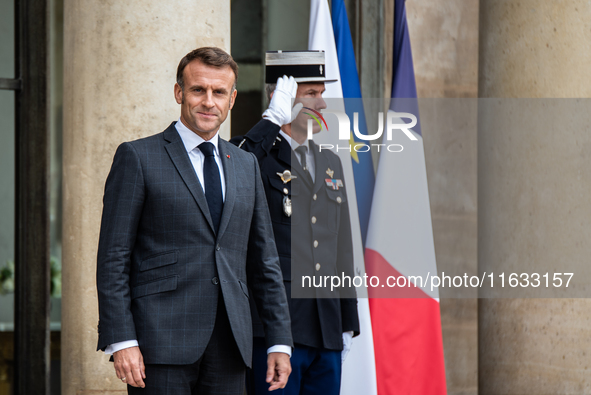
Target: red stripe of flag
406,335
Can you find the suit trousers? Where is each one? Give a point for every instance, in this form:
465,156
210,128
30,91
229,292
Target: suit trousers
315,371
219,371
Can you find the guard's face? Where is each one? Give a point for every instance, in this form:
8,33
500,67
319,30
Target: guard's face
207,97
310,95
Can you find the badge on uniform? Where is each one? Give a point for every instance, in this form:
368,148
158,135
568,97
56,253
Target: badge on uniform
329,172
287,206
286,176
334,183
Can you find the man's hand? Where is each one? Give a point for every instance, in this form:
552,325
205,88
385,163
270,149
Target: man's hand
278,370
129,366
347,341
280,111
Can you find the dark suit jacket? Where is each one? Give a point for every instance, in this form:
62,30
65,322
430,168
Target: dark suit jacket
317,322
161,266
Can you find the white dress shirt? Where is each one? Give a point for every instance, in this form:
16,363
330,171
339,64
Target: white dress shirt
191,141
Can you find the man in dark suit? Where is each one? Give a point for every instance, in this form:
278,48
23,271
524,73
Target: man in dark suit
185,233
308,205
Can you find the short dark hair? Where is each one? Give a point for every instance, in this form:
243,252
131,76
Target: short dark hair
210,56
269,89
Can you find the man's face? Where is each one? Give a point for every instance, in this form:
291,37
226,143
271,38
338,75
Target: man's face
310,95
206,98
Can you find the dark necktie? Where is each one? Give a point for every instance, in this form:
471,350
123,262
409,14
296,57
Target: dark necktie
302,151
213,184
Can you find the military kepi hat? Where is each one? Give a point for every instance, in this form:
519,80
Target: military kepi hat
304,66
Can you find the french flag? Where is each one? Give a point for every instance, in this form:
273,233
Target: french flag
407,330
400,349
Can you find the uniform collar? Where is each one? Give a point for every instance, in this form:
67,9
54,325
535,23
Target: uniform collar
285,136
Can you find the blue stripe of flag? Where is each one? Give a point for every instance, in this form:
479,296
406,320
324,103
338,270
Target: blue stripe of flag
403,75
363,171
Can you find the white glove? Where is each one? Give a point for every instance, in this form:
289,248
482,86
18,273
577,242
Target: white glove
347,341
280,111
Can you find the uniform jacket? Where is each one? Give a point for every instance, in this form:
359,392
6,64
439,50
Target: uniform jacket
314,241
161,267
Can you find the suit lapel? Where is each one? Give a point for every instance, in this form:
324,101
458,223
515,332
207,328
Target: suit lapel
321,167
178,154
230,178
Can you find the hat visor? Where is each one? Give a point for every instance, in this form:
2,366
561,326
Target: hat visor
313,79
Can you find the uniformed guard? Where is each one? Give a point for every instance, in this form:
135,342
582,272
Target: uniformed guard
307,199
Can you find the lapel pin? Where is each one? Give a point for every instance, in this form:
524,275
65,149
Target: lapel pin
329,172
228,156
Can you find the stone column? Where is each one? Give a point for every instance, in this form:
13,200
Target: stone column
120,62
533,188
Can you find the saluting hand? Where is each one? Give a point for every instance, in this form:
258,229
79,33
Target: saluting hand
280,111
278,370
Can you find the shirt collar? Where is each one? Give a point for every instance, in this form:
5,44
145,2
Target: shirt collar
294,144
192,140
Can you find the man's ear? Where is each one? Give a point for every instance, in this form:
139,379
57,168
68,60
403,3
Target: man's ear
178,93
233,98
